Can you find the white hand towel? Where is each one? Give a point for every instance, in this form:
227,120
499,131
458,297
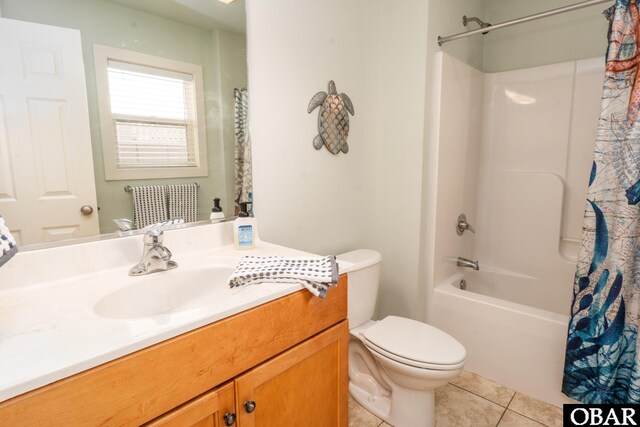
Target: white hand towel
314,273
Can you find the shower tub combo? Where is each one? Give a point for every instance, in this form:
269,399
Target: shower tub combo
519,172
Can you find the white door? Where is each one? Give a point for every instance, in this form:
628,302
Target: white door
46,165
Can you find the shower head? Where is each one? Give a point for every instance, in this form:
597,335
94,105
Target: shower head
466,20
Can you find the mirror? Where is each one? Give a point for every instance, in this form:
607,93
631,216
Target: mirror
99,96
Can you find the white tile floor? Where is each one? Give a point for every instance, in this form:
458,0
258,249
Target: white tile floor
470,400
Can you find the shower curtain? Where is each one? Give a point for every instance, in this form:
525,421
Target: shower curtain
243,180
601,364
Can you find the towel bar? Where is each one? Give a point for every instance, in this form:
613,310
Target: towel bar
129,189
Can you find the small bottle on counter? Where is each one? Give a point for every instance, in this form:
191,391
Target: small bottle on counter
216,211
244,230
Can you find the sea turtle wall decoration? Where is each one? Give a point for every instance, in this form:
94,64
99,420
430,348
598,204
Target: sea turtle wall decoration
333,119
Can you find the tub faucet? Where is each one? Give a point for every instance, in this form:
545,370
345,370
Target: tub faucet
464,262
155,256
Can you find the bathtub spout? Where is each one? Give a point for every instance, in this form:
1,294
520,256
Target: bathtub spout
464,262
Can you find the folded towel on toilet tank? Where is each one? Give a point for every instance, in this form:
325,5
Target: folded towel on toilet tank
314,273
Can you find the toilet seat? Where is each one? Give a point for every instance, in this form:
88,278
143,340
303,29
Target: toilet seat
414,344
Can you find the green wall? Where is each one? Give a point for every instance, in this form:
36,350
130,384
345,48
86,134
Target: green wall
221,54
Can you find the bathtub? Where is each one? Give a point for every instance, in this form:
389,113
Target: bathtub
517,345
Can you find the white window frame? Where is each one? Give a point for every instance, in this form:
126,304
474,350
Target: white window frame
102,54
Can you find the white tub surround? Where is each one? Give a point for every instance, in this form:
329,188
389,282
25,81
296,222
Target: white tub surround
67,309
514,153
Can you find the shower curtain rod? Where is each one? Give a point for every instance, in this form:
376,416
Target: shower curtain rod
570,8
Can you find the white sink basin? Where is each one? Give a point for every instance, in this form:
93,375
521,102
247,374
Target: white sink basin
166,292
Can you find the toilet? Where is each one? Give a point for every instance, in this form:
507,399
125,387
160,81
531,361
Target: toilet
395,364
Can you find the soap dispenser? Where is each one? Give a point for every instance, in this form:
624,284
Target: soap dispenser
216,211
244,230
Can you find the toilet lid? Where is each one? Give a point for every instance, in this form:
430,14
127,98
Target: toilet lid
413,341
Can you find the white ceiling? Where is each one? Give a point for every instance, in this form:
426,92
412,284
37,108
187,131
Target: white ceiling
207,14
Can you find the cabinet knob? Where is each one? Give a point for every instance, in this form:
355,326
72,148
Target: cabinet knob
229,419
249,406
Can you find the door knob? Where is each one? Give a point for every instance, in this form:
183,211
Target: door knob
86,210
249,406
229,419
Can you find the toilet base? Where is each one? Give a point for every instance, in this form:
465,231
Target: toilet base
377,405
409,408
412,408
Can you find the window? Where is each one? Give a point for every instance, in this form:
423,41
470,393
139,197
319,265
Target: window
152,122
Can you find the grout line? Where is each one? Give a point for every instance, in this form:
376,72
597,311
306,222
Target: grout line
511,400
506,409
523,415
362,407
502,415
482,397
366,410
529,418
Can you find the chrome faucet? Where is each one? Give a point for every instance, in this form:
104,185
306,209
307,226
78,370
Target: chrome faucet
462,225
155,256
464,262
124,224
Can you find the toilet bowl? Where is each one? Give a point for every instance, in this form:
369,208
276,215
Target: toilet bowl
395,364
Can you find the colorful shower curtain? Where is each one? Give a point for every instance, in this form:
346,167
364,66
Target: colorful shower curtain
602,361
243,179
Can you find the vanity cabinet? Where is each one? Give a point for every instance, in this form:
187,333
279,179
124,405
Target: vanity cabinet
212,409
288,356
305,386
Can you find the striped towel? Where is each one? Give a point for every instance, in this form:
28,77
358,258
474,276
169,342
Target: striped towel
8,246
314,273
149,205
183,202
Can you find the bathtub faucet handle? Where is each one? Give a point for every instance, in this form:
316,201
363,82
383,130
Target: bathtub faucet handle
462,225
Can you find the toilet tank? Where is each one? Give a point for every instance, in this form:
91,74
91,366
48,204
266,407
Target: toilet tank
364,277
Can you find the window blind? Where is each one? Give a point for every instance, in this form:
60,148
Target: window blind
154,116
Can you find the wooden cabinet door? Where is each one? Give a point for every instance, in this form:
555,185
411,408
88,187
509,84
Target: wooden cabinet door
305,386
207,410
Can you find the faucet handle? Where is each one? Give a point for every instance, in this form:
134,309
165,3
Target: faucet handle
154,236
462,225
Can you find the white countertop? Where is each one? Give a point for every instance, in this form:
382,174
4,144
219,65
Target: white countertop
49,331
